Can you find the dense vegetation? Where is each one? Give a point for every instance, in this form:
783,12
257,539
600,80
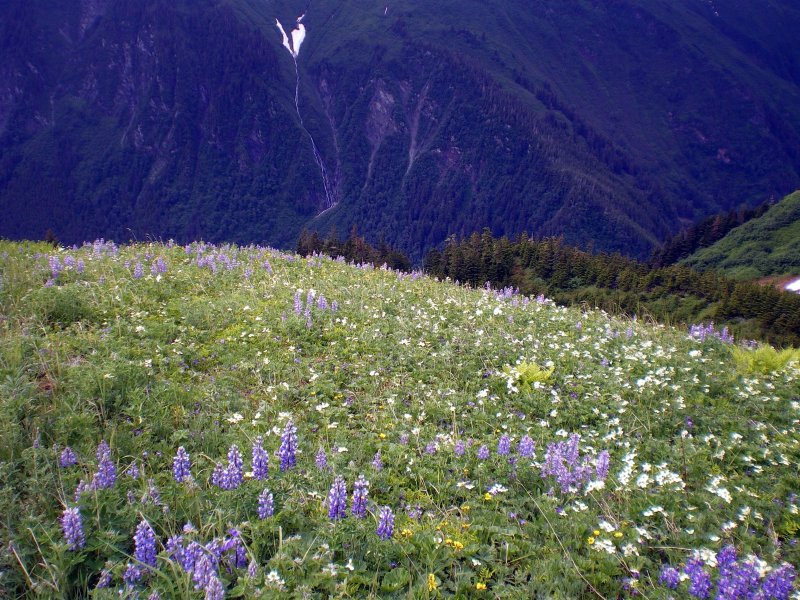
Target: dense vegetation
769,245
209,421
355,249
409,438
674,294
703,234
613,121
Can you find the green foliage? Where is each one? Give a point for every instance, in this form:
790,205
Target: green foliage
620,285
524,375
63,305
767,245
209,352
431,119
764,359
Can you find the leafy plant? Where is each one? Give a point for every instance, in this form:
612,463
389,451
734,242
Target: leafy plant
763,359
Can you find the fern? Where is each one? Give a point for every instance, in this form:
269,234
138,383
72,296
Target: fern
764,359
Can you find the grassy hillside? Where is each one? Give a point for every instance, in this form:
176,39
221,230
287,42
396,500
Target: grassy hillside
768,245
512,448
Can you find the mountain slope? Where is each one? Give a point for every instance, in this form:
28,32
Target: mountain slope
241,417
610,123
768,245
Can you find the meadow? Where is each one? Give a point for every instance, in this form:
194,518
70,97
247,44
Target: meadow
219,421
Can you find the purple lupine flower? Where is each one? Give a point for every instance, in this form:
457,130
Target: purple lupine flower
322,303
601,467
403,439
310,301
430,447
337,499
670,577
132,575
737,581
81,489
377,461
483,452
504,445
385,523
133,470
191,556
235,464
72,526
138,271
145,544
563,462
298,303
213,589
459,448
321,459
175,549
260,459
779,583
266,505
526,447
152,495
81,266
67,458
160,265
360,494
726,559
288,448
181,465
203,570
106,475
103,451
154,596
104,580
699,580
334,306
55,266
218,476
252,568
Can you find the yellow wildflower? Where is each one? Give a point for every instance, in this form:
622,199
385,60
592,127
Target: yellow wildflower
618,534
432,585
590,540
480,586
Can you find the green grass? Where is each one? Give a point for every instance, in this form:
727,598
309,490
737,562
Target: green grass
701,455
768,245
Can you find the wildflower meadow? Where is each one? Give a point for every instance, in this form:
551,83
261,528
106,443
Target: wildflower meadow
216,422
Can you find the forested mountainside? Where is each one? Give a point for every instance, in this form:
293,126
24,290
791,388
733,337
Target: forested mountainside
704,233
611,123
768,245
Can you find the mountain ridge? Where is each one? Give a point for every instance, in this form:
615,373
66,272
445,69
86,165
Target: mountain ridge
586,121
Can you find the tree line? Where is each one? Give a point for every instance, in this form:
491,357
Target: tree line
672,294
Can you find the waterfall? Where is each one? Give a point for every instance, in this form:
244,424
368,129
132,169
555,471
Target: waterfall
292,44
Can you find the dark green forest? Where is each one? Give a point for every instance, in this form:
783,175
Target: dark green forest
617,122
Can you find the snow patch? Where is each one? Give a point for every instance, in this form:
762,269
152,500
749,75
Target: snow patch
285,37
298,35
793,286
